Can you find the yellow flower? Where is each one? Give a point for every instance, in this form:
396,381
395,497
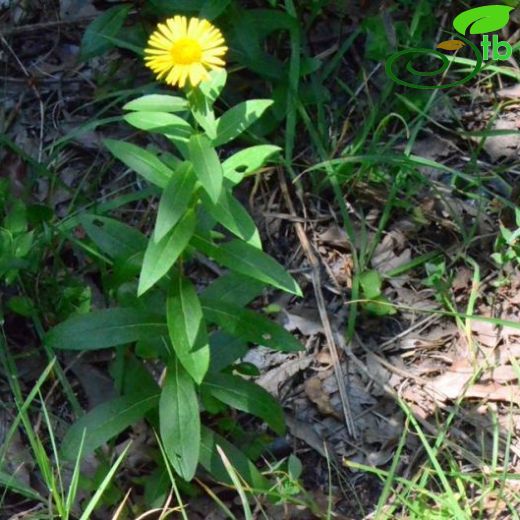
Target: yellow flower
182,49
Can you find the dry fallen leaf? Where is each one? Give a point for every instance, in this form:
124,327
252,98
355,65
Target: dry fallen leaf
276,377
306,433
451,45
504,146
510,92
486,332
307,321
501,374
453,382
316,393
495,392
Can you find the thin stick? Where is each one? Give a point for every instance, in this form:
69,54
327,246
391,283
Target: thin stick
324,317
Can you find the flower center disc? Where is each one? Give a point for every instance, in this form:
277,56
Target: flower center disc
186,51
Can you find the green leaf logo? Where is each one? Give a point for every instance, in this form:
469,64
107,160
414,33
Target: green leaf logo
483,19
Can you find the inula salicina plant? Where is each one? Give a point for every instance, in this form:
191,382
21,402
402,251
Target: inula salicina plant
157,312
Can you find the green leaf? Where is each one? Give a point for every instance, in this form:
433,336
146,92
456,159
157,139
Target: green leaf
246,39
247,161
232,215
180,421
485,19
380,306
176,129
249,325
233,288
211,461
175,200
202,111
145,163
170,125
232,123
157,103
160,256
105,422
22,305
224,350
134,377
187,327
206,165
212,88
250,261
103,329
247,397
112,237
94,41
164,7
9,481
371,283
213,8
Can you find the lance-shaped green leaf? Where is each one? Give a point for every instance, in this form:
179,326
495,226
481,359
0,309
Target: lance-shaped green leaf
96,39
175,200
105,421
180,421
247,161
238,118
225,350
206,165
233,288
187,327
481,20
203,112
249,326
233,216
103,329
248,397
176,129
211,461
10,481
213,87
250,261
157,103
114,238
160,256
143,162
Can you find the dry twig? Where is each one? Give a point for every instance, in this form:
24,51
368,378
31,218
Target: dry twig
324,317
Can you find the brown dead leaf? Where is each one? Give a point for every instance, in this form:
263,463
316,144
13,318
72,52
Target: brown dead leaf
508,332
379,458
486,332
462,279
510,92
391,254
378,371
315,392
495,392
451,45
273,380
335,235
504,146
501,374
307,321
434,148
453,382
306,433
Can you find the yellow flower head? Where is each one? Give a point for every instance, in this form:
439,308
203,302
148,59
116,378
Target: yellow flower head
182,49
